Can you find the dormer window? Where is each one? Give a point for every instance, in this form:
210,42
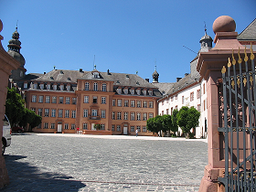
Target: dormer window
35,85
150,92
55,87
126,91
61,87
132,91
25,85
119,90
41,86
48,86
138,91
96,75
68,87
144,92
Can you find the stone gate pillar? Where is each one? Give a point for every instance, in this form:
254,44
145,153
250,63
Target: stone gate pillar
7,64
209,66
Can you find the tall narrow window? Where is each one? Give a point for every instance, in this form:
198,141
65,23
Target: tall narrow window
61,100
87,86
54,99
103,114
41,99
66,113
53,113
86,99
33,98
85,113
125,115
103,100
60,114
73,115
95,87
113,115
94,113
46,112
67,100
138,116
74,100
40,111
104,87
118,116
47,99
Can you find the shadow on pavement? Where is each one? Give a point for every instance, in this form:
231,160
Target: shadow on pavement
24,177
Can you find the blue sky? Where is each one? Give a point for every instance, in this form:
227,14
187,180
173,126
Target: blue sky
124,35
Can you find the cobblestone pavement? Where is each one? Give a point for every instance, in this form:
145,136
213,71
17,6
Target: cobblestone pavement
66,162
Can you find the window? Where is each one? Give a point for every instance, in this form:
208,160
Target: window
145,104
138,103
144,129
118,116
41,99
25,85
85,113
33,98
138,127
73,126
86,99
126,91
46,112
203,88
52,125
171,99
94,113
87,86
132,116
61,100
40,111
67,100
183,100
144,116
66,126
150,104
73,114
113,102
192,96
74,100
35,85
33,109
138,116
54,99
41,86
94,99
176,97
119,103
66,113
119,90
198,107
150,93
167,111
132,128
68,87
47,99
85,126
54,87
144,92
102,127
48,86
53,113
103,100
104,87
125,115
198,93
60,113
132,91
132,103
45,125
150,115
113,115
138,91
95,86
118,128
61,87
103,114
113,127
126,103
171,110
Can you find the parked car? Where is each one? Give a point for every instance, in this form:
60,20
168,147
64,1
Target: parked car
18,129
6,138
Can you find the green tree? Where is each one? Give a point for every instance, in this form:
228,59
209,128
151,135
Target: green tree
187,118
166,121
154,124
174,125
14,107
35,120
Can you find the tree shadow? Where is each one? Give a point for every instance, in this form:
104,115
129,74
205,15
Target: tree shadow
24,177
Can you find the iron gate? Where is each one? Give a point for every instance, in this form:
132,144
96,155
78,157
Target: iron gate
237,114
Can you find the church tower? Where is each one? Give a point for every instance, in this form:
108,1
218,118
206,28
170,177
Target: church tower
155,76
14,51
206,42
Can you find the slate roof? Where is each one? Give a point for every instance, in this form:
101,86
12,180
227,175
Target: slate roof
249,33
181,84
164,87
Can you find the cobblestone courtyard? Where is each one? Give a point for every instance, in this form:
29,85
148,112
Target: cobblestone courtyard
52,162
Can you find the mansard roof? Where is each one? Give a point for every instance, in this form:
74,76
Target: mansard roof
164,87
249,33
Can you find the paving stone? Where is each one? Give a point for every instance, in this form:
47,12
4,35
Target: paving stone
63,162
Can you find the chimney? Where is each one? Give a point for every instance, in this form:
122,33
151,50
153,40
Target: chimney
147,79
44,72
108,73
81,70
178,78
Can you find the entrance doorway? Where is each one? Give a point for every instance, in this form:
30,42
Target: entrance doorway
125,130
59,128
